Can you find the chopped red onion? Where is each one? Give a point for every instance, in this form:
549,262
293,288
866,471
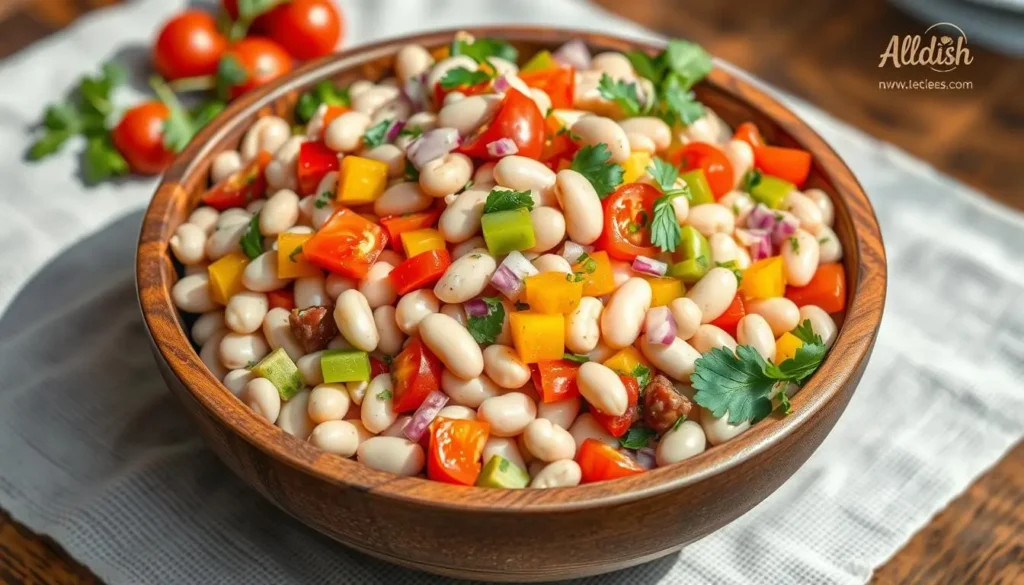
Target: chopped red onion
425,415
660,326
475,308
650,266
394,130
758,242
761,218
432,145
785,226
412,89
502,147
508,278
574,53
646,458
572,251
501,84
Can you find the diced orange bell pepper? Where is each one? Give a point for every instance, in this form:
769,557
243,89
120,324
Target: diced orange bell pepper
827,289
786,346
729,320
764,279
600,462
396,225
226,276
290,261
599,281
538,336
635,166
556,380
664,289
361,180
553,292
418,241
626,360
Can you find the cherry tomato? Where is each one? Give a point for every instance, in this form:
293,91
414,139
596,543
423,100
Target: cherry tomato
263,61
599,462
558,82
748,132
416,373
347,244
189,45
628,213
558,147
243,186
139,137
305,28
315,160
456,446
518,118
618,425
791,164
407,222
257,26
283,298
556,379
730,319
420,271
231,8
716,166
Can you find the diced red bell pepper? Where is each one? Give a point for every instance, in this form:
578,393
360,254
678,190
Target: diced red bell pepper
282,298
408,222
791,164
346,244
420,271
599,462
556,380
827,289
728,320
456,446
315,160
244,186
416,373
558,82
618,425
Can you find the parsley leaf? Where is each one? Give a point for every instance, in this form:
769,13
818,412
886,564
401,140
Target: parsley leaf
487,328
206,112
642,374
102,161
737,383
784,408
294,253
664,174
795,244
178,128
650,67
324,92
505,200
480,49
679,105
252,241
687,61
384,395
460,76
800,367
591,161
638,437
575,357
751,179
622,93
377,134
665,230
48,144
411,131
95,91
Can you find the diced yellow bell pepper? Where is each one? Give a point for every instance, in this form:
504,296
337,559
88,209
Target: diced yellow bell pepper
664,289
538,336
361,180
764,279
635,166
553,292
626,360
226,276
786,346
290,261
419,241
596,269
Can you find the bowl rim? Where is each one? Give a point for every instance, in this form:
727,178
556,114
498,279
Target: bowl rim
851,348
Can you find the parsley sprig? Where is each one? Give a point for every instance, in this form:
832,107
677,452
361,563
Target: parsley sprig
460,76
622,93
637,437
252,240
674,72
591,161
665,230
480,49
507,200
487,328
377,134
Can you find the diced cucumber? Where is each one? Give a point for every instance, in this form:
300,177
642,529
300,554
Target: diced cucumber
345,365
502,473
771,191
507,231
281,371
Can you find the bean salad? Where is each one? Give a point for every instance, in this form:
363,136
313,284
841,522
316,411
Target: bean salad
512,271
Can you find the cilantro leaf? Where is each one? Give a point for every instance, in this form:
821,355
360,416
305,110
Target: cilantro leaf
638,437
411,131
665,230
102,161
48,144
687,61
487,328
505,200
731,265
784,408
649,67
377,134
252,241
480,49
679,105
230,72
664,174
805,333
642,374
460,76
384,395
734,383
61,116
323,199
591,161
94,91
622,93
800,367
575,357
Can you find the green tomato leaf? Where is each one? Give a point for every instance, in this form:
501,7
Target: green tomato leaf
230,72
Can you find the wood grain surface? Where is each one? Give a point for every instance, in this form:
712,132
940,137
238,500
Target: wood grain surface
974,135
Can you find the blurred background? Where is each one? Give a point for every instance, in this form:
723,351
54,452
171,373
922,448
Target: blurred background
826,52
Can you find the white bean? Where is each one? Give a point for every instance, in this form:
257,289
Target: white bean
236,380
740,203
280,171
411,61
718,430
830,249
675,360
377,287
192,294
260,275
458,412
232,216
354,318
391,337
508,414
754,331
452,344
446,175
336,436
714,293
615,64
189,244
584,217
805,210
245,311
280,213
824,203
391,455
357,390
225,240
680,443
723,248
655,129
687,316
224,165
563,473
413,307
262,397
709,337
506,448
781,313
561,412
377,410
552,263
602,388
238,350
455,312
460,220
309,369
623,317
400,198
548,442
587,427
205,218
711,218
335,284
345,133
741,158
821,323
622,271
466,278
582,327
469,114
328,402
471,392
266,134
209,354
294,418
525,174
548,228
206,326
390,154
593,130
640,143
311,291
503,366
800,258
278,331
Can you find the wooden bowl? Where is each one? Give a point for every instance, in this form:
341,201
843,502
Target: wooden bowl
511,535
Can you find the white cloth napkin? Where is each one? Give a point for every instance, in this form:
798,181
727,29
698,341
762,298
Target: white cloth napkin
96,454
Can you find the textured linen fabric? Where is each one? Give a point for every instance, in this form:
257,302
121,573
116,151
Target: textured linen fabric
96,454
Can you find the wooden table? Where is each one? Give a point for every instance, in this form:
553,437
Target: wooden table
826,52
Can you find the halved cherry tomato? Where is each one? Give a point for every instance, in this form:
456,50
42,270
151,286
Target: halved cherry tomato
728,320
420,271
282,298
556,380
519,119
558,82
242,187
618,425
748,132
407,222
455,449
139,137
628,213
305,28
599,462
377,368
791,164
347,244
315,160
262,59
189,45
716,166
827,289
416,372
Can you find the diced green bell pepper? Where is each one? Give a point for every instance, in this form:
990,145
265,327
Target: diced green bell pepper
693,256
502,473
345,365
539,62
508,231
700,190
771,191
281,371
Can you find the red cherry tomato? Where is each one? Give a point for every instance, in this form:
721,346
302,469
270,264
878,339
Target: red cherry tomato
599,462
556,380
716,166
189,45
618,425
347,244
456,446
242,187
628,213
518,118
305,28
263,61
420,271
315,160
416,373
139,137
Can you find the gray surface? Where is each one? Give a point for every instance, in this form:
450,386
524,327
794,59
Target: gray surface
97,455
